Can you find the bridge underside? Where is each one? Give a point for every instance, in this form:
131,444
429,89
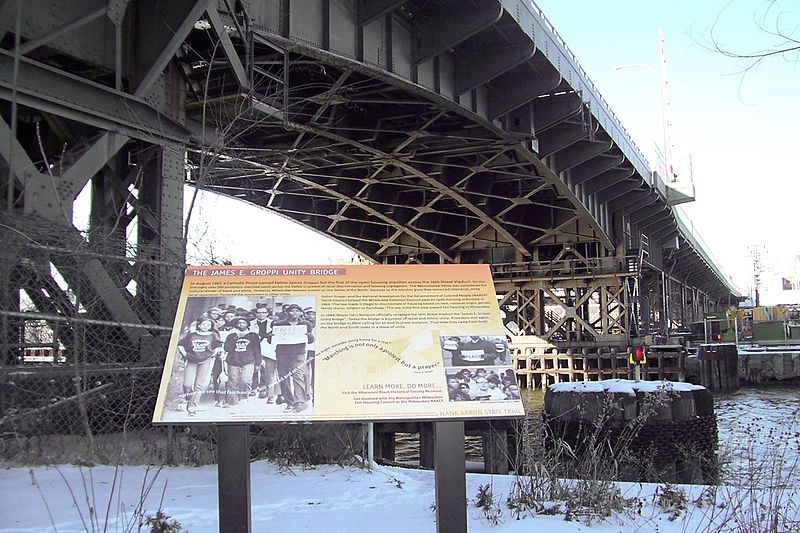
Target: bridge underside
431,132
395,175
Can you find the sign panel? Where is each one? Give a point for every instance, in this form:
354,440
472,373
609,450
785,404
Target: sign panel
337,343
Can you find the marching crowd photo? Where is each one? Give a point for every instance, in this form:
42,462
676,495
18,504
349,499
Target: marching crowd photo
252,356
248,355
482,384
475,350
486,374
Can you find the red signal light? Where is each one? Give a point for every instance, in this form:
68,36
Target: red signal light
638,356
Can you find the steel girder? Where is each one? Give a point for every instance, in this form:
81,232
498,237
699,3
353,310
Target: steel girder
78,80
471,187
566,134
418,125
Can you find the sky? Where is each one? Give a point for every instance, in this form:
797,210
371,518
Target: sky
739,128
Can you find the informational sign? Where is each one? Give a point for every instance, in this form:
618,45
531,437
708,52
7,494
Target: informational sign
337,343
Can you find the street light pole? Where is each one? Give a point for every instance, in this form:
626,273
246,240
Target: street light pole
661,78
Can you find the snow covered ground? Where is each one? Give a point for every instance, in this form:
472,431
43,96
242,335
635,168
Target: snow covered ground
759,427
328,498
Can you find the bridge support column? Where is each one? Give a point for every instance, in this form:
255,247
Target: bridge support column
12,327
109,219
682,300
161,231
645,309
569,306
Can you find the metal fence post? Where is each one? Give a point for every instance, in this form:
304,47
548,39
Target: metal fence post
233,478
450,473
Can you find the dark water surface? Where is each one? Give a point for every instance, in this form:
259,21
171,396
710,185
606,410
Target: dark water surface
759,431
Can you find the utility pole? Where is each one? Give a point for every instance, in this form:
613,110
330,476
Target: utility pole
666,122
756,252
663,93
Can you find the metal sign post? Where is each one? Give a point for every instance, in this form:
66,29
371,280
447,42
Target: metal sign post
450,475
233,473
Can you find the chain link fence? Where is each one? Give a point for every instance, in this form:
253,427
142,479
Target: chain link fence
85,327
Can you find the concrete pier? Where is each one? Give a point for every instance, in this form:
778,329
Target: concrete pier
756,365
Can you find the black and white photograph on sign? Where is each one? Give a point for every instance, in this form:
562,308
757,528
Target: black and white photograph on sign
243,355
475,350
482,384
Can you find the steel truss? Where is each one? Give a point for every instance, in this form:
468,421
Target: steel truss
509,165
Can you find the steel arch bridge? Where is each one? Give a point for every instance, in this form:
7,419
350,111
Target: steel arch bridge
410,131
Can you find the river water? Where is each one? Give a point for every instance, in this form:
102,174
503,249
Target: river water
759,433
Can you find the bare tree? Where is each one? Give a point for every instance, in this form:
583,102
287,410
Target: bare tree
777,24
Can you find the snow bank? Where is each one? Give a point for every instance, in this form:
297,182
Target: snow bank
327,498
624,386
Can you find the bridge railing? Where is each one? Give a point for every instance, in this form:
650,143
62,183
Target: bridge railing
546,38
566,268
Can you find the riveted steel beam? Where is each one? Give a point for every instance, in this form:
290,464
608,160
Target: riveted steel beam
439,187
653,217
50,34
560,138
227,46
551,111
608,179
641,215
48,89
633,200
454,27
661,234
656,226
479,66
42,192
161,28
595,167
619,189
364,205
520,86
8,16
578,154
14,154
371,10
401,230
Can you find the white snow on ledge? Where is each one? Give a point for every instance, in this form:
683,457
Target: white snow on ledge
624,386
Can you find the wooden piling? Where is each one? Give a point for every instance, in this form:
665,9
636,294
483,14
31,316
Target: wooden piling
719,366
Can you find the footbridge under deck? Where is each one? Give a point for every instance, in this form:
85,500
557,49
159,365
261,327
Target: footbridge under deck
440,131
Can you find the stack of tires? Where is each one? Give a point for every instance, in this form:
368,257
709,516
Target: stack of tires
664,435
